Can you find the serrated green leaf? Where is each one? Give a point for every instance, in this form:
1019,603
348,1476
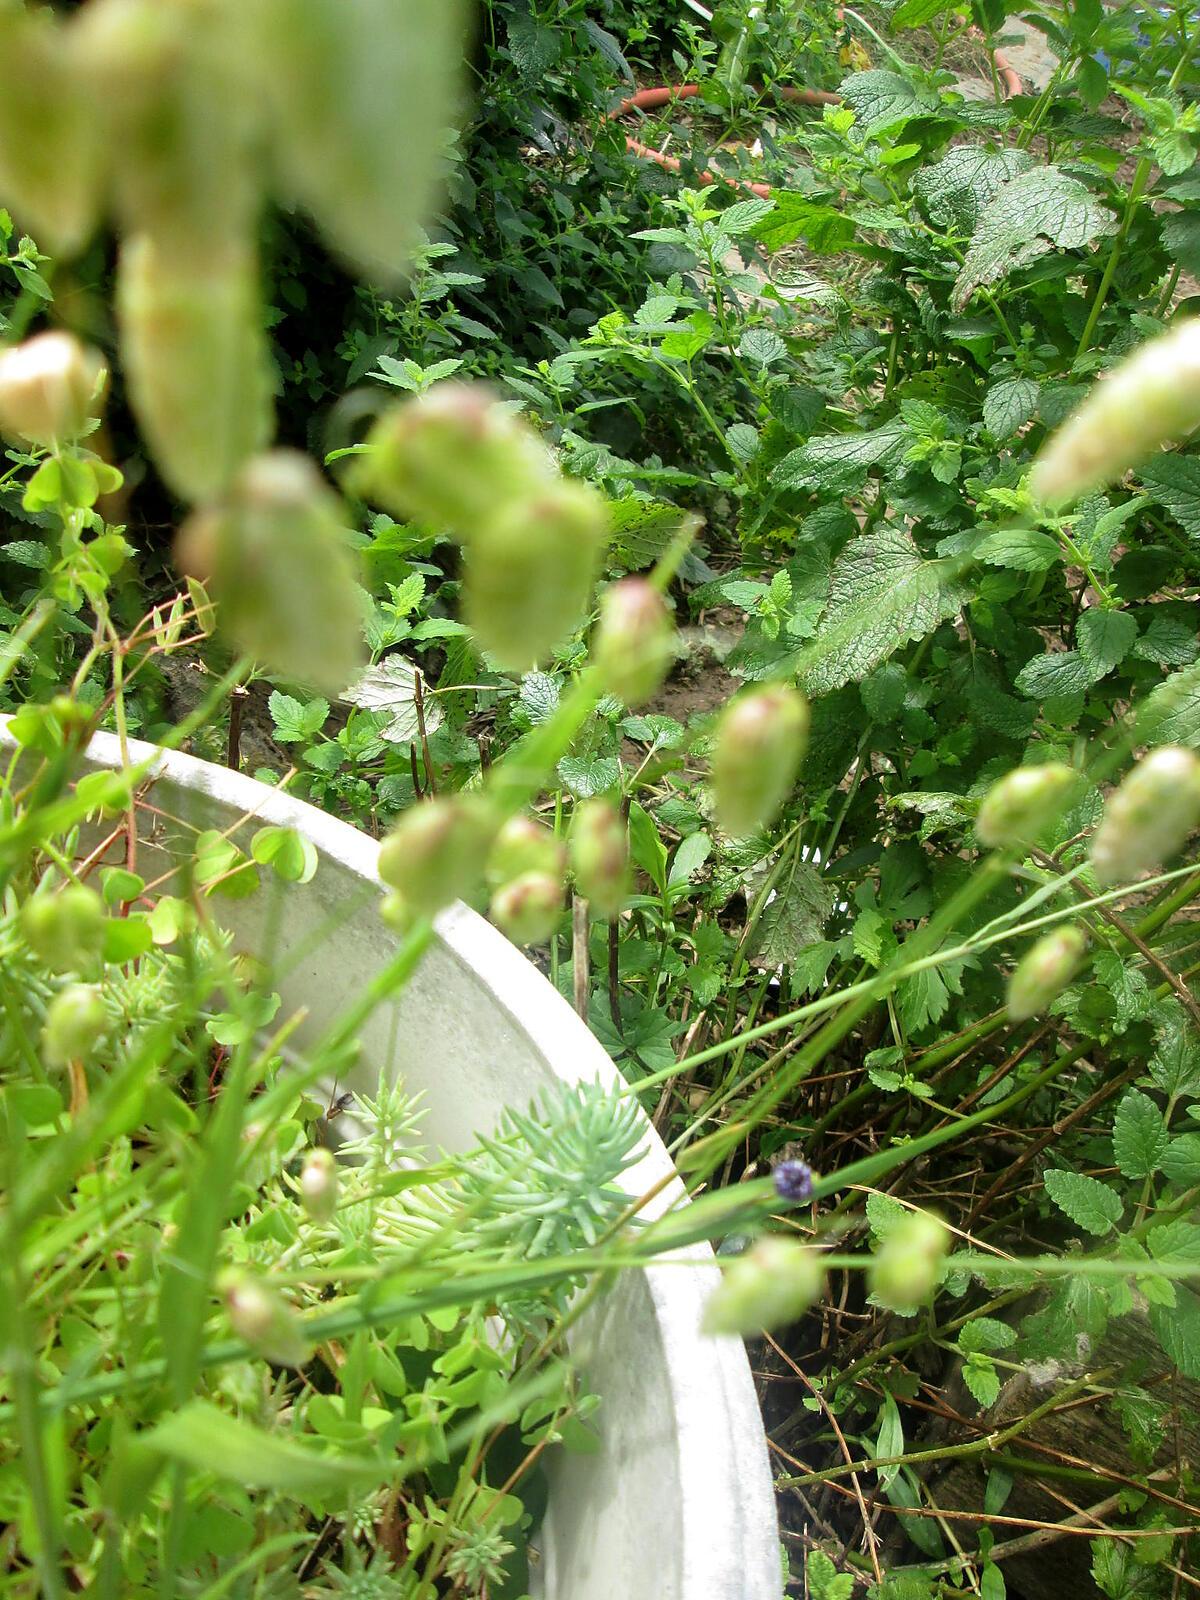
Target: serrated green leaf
1022,549
1177,1329
1168,643
1028,216
1171,713
794,918
1139,1137
762,346
1181,1160
1065,672
986,1333
823,228
882,101
296,720
744,215
838,463
954,190
1009,405
882,595
981,1378
884,691
1181,239
1174,481
1089,1203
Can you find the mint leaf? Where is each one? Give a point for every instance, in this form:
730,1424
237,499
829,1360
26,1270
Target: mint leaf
1174,481
1022,549
1066,672
824,229
1105,638
1089,1204
1139,1137
296,720
838,463
1181,1160
881,102
955,189
1171,713
981,1378
794,917
1029,216
1009,405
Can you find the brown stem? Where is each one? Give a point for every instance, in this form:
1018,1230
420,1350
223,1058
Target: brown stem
579,954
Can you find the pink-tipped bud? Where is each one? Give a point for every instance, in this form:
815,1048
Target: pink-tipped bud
319,1184
437,852
774,1282
261,1317
527,909
1022,803
1044,972
1149,817
47,388
1150,399
599,844
907,1267
634,643
760,742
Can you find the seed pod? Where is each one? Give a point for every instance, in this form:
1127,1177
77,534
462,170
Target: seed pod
1150,399
772,1283
530,572
275,556
521,846
453,457
357,93
907,1266
599,845
1022,803
174,94
1149,817
65,930
527,909
760,742
51,153
75,1023
319,1184
1044,972
437,852
261,1317
47,387
196,359
634,642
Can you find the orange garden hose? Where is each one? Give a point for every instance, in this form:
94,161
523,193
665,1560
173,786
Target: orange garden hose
650,99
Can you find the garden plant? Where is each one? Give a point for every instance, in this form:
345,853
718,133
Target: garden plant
763,581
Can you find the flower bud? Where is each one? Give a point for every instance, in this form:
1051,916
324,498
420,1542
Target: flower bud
1044,972
793,1181
47,386
51,161
453,457
1149,399
523,845
319,1184
599,846
530,572
760,742
263,1319
527,909
195,355
276,558
907,1266
437,852
634,642
1022,803
772,1283
1149,816
65,930
75,1023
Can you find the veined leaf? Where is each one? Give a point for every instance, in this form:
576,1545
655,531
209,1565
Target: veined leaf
1089,1203
955,189
1139,1136
1171,713
1174,481
838,463
1009,405
1029,216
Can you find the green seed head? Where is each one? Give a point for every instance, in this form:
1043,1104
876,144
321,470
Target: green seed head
760,742
437,852
1022,803
599,846
65,930
527,909
907,1266
1044,972
634,643
76,1022
1149,817
773,1283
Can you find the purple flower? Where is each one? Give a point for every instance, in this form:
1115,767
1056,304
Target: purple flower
793,1180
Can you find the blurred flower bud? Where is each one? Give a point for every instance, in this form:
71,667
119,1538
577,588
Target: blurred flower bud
523,845
1149,399
195,353
319,1184
760,742
276,557
51,164
793,1181
1044,972
599,846
75,1023
907,1266
261,1317
1022,803
1149,816
527,909
634,642
357,97
47,386
65,929
437,852
455,457
772,1283
529,573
